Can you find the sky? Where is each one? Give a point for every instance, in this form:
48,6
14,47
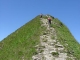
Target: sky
16,13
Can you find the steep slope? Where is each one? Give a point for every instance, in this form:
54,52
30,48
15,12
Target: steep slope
27,42
50,51
64,36
50,48
20,44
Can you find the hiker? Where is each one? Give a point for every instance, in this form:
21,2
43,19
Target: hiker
49,20
40,15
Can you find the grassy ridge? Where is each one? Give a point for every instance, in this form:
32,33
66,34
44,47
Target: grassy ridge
65,37
20,44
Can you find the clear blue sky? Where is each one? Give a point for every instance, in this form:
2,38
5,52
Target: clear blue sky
15,13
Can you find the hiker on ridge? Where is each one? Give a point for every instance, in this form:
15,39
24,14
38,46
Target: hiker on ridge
49,20
41,15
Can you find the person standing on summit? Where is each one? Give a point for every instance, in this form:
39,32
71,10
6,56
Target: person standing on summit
41,15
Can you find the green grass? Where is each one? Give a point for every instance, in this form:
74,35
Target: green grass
65,37
21,42
53,37
56,54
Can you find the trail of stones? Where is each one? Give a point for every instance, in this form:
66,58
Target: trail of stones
49,47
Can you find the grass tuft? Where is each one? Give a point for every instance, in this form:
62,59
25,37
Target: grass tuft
56,54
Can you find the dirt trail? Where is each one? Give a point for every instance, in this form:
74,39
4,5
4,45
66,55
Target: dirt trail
49,48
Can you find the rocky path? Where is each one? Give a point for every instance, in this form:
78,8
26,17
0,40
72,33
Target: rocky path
49,48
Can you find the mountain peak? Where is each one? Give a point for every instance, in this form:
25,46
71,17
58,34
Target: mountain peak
37,40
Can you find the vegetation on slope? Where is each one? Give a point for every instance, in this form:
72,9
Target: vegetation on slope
66,38
20,44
